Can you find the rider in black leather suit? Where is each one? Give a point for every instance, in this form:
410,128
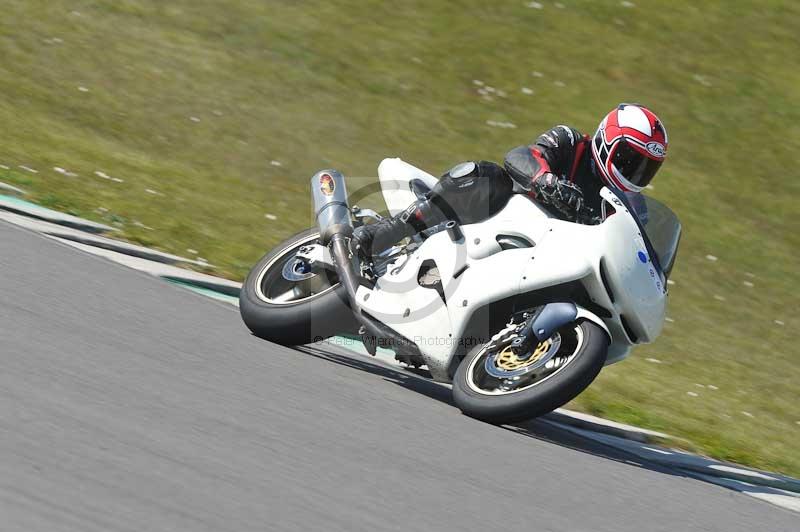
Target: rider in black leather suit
558,170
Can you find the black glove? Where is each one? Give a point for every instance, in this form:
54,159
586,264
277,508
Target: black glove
561,194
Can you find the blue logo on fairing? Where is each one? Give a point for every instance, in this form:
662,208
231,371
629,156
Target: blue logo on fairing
643,257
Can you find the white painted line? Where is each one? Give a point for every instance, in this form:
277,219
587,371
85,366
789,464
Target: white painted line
784,499
158,269
660,451
32,210
745,472
69,233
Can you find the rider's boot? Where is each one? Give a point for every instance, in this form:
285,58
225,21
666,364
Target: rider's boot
370,240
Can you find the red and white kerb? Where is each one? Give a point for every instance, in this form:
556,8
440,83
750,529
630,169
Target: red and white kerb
629,147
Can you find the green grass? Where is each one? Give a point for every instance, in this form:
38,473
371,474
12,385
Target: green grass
346,83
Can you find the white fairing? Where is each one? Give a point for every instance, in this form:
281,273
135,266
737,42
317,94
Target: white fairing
476,271
395,176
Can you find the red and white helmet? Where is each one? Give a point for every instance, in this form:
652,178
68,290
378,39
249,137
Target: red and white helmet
629,147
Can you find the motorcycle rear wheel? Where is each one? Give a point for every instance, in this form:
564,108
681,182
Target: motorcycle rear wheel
477,390
293,312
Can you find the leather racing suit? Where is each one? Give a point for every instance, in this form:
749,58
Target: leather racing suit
557,170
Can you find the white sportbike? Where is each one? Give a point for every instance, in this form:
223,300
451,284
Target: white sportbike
519,312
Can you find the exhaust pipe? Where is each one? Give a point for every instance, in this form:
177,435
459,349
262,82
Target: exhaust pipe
336,229
330,205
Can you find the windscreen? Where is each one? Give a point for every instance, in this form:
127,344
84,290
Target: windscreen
661,225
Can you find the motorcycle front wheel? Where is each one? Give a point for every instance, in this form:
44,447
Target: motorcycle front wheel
498,386
308,309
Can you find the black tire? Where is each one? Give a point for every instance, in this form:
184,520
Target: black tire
293,323
551,393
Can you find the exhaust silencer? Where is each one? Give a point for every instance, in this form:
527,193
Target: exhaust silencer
336,227
330,205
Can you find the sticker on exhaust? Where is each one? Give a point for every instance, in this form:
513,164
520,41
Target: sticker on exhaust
327,185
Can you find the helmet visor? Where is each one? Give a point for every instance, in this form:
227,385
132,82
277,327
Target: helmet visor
638,169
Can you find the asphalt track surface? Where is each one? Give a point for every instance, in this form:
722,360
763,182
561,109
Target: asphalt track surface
128,404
